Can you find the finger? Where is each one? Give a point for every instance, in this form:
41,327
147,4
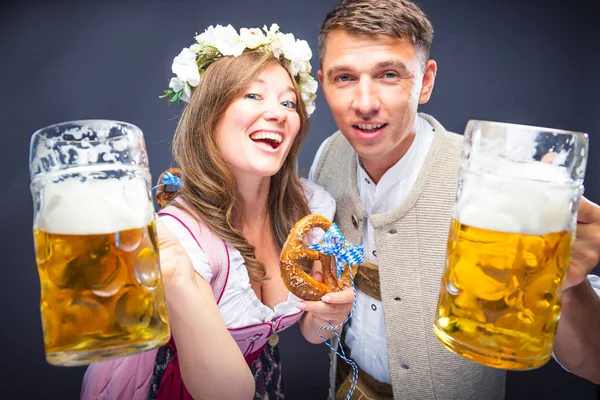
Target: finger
343,297
318,307
324,322
587,244
585,260
334,318
588,211
586,249
318,276
588,234
548,158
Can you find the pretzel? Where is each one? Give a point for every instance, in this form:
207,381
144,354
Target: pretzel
295,279
164,193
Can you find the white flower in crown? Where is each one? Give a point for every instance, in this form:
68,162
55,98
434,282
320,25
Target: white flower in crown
228,42
308,90
309,86
207,38
296,50
178,85
299,67
310,107
184,66
281,43
272,32
196,48
219,41
253,37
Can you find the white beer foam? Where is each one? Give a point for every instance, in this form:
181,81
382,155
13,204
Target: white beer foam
96,206
527,198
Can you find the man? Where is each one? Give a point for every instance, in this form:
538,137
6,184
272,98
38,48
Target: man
393,173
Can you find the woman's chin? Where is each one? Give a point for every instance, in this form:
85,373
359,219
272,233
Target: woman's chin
270,169
263,171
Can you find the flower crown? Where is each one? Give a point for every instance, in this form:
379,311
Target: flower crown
219,41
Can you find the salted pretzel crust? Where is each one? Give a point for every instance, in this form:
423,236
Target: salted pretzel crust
295,278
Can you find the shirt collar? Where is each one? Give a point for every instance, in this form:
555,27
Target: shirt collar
401,169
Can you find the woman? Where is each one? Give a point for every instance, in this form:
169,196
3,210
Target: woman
237,143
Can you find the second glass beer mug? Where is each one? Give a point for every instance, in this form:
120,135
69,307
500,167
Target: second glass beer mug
95,242
510,240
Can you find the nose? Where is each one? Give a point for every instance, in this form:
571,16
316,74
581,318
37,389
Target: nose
274,112
366,98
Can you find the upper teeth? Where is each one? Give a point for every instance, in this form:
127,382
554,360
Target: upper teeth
276,137
369,126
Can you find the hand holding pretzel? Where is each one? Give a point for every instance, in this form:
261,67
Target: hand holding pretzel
295,278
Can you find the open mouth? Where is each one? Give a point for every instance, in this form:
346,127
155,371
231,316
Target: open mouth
369,128
267,138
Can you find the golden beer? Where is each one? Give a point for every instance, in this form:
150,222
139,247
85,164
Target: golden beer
99,292
502,290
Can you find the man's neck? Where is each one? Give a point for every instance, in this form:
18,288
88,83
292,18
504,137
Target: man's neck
377,167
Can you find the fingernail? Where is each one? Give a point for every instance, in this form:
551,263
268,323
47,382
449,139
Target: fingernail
301,306
325,298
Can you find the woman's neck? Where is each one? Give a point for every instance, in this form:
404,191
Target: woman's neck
255,193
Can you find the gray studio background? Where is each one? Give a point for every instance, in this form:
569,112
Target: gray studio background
530,62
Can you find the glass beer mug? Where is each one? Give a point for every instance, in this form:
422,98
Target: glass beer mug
509,246
95,242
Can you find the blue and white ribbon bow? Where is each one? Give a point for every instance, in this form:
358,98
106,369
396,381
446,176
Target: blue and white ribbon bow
171,181
334,244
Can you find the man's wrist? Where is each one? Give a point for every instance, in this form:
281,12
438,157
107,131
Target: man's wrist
575,292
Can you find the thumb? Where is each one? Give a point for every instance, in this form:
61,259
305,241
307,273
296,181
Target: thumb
588,211
549,158
164,234
173,258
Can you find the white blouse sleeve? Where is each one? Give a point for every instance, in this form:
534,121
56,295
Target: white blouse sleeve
311,172
320,202
199,260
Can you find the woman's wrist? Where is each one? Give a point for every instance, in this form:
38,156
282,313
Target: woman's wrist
181,295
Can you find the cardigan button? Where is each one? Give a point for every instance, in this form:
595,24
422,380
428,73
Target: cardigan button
355,221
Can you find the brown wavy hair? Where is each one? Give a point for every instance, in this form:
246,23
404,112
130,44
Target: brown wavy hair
209,186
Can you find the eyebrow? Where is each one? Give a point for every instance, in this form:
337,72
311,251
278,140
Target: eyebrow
403,69
394,63
287,89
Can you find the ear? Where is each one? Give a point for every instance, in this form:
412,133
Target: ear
320,78
428,81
